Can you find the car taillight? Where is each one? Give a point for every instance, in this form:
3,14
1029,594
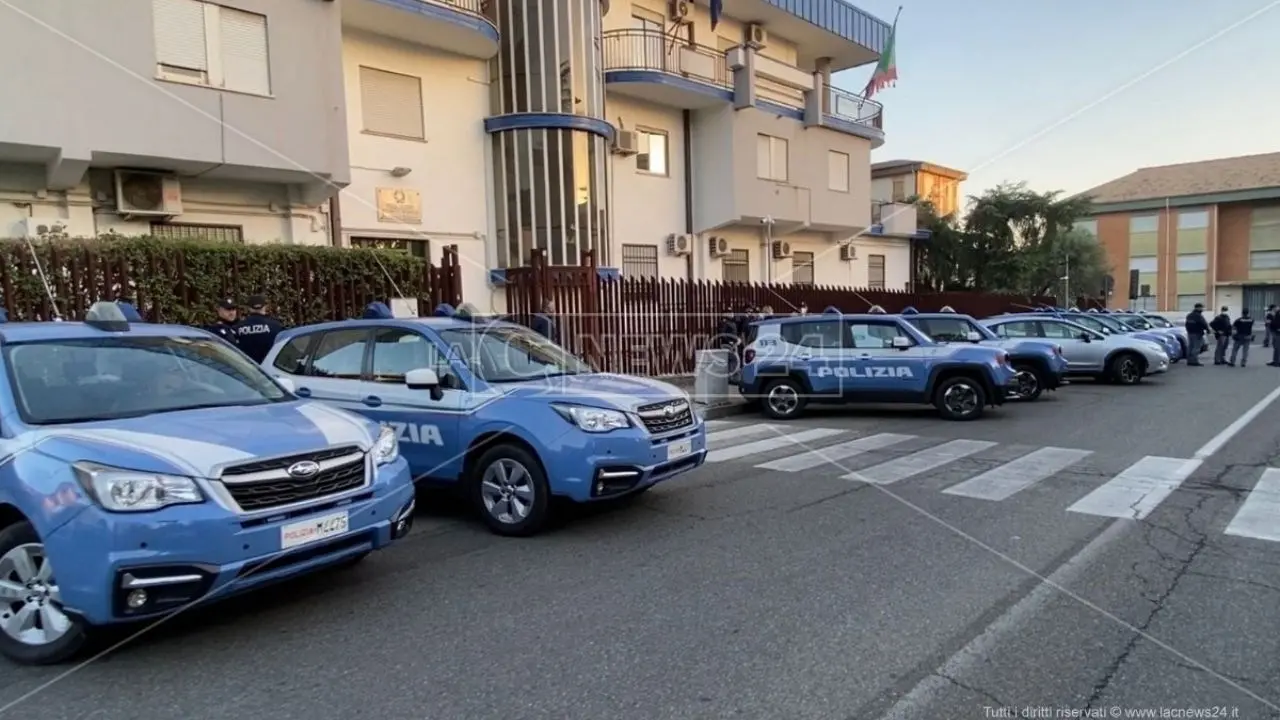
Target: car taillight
748,356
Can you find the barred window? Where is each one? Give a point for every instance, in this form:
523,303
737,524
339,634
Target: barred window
737,266
640,261
802,268
414,246
875,272
192,231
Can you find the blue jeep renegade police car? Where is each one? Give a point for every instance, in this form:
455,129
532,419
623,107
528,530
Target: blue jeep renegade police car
791,362
148,467
497,410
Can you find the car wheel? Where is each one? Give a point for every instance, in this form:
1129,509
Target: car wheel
1125,369
1030,382
34,629
511,491
784,399
960,398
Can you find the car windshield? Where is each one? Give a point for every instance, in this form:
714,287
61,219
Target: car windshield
1094,324
952,329
1157,321
1134,321
1112,324
511,354
83,380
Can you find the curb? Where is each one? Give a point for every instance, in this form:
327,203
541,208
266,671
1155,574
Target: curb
715,412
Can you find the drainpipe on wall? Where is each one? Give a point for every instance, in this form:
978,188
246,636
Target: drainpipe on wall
688,189
1169,272
767,241
335,222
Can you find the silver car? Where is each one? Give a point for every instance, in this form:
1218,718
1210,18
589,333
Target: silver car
1118,358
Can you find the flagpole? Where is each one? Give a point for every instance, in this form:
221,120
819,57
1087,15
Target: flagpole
893,31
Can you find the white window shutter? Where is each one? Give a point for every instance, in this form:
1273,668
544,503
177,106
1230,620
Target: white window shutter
779,159
391,103
763,158
179,33
243,44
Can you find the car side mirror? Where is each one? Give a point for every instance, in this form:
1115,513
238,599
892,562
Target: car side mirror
424,379
973,336
901,343
286,384
1086,337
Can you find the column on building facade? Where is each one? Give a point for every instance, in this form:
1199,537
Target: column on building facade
550,134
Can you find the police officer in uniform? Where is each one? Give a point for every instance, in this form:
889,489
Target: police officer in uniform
258,331
226,326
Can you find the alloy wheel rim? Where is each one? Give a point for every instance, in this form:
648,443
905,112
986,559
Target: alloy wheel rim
961,399
1027,383
507,490
783,400
30,602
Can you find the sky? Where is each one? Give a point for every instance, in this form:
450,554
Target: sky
1030,90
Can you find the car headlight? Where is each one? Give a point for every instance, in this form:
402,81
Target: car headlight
590,419
387,448
121,490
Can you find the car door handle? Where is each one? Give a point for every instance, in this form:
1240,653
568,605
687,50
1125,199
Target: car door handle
302,392
864,356
372,401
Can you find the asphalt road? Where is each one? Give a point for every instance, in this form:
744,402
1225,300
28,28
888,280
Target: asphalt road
746,592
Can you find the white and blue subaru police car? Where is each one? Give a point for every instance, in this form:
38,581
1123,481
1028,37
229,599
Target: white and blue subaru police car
148,467
833,358
498,411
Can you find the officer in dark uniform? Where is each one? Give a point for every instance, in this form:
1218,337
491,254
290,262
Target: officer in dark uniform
227,325
258,330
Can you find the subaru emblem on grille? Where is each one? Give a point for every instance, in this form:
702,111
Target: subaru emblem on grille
304,469
669,411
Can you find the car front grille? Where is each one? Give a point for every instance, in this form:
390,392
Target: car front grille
665,417
267,484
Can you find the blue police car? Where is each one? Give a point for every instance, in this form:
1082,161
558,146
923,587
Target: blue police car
148,467
791,362
1040,364
498,411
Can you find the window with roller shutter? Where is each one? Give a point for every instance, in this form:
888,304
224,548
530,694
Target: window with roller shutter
391,104
200,43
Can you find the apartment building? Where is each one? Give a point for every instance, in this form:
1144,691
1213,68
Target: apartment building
171,117
1209,232
628,129
895,181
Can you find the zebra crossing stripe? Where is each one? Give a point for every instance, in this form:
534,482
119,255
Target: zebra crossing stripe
1259,517
717,424
1001,482
720,437
770,443
834,453
1138,490
923,461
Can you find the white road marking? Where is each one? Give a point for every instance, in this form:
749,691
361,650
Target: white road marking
1259,517
771,443
834,453
718,424
1138,490
904,467
720,437
999,483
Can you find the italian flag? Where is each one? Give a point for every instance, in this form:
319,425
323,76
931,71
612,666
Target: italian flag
886,73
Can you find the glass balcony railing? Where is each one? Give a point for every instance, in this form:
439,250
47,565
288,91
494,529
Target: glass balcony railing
638,49
844,105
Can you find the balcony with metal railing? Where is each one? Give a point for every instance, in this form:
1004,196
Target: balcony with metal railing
843,107
464,27
654,66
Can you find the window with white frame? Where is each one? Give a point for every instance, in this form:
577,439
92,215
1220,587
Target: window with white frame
875,272
200,43
837,171
771,158
736,266
1143,223
391,104
1264,260
1144,264
1193,219
1197,262
802,268
1187,303
640,261
899,189
652,158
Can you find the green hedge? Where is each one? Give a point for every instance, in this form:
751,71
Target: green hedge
180,281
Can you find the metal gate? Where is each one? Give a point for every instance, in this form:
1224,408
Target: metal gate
1258,297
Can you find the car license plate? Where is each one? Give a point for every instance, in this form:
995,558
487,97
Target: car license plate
679,449
313,530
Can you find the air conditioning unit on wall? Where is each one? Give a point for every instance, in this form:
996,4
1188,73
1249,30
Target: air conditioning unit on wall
718,246
679,244
147,194
625,142
848,253
678,10
781,249
757,36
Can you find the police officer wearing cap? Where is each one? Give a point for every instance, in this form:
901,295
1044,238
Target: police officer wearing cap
258,330
226,326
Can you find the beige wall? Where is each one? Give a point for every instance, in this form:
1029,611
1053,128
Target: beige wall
647,207
882,187
110,105
449,168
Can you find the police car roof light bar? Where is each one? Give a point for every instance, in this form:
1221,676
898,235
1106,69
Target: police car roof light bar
108,316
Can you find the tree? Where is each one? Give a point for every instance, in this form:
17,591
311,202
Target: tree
1013,239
